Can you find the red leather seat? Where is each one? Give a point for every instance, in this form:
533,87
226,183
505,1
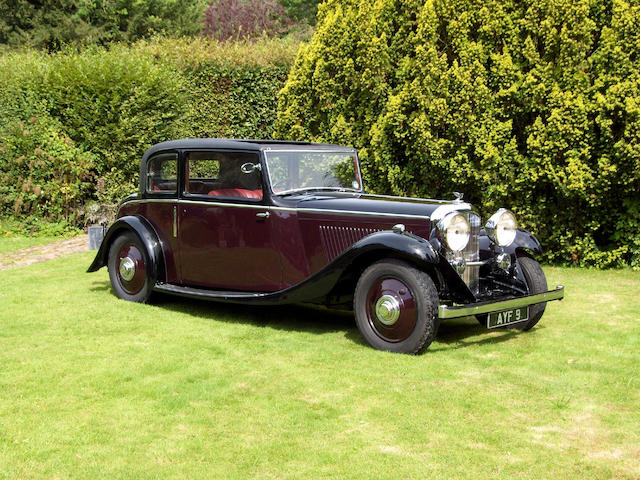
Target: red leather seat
237,192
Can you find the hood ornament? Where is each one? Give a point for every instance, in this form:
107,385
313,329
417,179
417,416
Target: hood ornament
458,196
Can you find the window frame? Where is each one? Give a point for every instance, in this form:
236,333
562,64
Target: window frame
184,155
145,179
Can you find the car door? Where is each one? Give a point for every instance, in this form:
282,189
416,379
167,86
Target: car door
224,230
160,189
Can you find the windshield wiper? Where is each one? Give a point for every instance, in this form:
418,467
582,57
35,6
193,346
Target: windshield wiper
295,191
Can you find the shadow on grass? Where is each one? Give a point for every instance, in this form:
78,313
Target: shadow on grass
452,334
460,333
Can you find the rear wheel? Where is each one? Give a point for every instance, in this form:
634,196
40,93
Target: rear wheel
396,307
537,283
128,265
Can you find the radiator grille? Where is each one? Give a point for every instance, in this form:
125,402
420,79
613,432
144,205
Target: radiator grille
471,253
336,240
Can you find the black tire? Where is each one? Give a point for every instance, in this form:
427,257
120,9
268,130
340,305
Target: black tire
139,287
391,288
537,283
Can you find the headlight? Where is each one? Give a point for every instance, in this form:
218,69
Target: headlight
456,230
501,227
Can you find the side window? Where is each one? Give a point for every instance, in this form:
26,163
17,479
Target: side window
162,173
219,174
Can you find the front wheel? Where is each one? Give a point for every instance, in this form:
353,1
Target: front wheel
396,307
128,266
537,283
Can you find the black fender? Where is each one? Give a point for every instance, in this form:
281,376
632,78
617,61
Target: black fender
385,244
147,235
320,285
324,284
524,241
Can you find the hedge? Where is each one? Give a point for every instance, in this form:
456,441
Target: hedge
56,23
534,106
94,112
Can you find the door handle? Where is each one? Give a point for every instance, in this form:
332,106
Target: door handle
175,222
263,215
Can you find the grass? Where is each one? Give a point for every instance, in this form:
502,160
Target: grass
91,386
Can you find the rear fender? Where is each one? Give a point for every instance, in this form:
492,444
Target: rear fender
147,235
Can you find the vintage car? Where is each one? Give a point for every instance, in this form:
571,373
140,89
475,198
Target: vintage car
270,222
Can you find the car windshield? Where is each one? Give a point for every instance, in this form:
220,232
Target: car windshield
294,171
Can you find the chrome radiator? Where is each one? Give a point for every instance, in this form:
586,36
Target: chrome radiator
471,253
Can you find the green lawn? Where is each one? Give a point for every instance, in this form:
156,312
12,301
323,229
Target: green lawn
94,387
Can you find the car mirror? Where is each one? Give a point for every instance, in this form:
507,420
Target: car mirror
250,167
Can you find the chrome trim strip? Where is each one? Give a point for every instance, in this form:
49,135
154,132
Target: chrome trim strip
283,209
181,201
479,263
353,212
445,311
310,150
418,199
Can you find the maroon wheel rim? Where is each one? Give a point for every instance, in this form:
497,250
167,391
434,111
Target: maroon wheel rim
130,268
391,309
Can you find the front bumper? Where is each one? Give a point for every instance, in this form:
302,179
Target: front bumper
467,310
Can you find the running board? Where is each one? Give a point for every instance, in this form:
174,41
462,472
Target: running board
220,295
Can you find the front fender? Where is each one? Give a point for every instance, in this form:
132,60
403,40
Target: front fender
401,245
147,235
524,241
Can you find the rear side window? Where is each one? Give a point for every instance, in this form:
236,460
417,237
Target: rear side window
162,173
220,174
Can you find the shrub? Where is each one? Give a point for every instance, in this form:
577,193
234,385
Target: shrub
232,86
236,19
533,106
96,111
56,23
301,10
110,103
43,174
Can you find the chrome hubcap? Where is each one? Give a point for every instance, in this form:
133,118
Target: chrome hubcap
127,268
387,310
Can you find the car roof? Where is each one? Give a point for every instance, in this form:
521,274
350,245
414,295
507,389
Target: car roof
238,144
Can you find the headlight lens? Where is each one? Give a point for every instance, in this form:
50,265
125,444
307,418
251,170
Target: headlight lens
502,227
456,230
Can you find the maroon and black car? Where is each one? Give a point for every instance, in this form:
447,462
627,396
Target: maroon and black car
257,221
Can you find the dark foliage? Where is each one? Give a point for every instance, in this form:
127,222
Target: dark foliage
54,23
301,10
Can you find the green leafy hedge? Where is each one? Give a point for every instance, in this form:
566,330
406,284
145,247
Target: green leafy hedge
535,106
44,176
83,119
55,23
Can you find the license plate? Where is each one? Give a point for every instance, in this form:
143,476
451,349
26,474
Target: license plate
507,317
